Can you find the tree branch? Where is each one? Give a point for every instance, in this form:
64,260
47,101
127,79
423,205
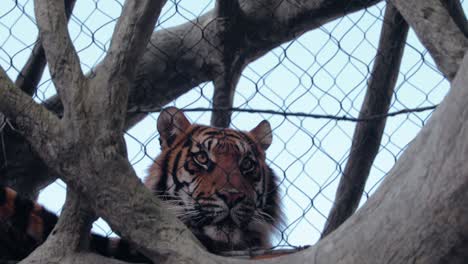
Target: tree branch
437,31
29,174
104,176
428,225
61,55
130,37
185,56
91,153
368,135
230,25
29,77
223,97
180,58
32,119
455,10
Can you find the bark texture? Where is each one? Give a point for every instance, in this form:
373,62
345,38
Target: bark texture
417,215
437,31
69,236
180,58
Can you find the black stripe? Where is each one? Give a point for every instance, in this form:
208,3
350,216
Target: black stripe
188,142
3,196
161,186
20,218
272,207
265,187
210,142
196,188
237,147
188,136
200,129
233,135
175,167
252,144
211,133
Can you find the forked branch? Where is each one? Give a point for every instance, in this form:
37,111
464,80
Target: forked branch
31,73
180,58
131,36
61,55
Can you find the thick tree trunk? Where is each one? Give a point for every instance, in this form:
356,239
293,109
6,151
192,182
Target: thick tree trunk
182,57
418,214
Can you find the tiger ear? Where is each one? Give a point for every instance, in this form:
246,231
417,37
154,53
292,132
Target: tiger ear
262,133
171,123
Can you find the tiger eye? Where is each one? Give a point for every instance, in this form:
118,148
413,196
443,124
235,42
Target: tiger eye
247,164
201,157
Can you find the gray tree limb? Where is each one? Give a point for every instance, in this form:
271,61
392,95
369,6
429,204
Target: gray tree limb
182,57
368,135
418,212
31,119
437,31
421,203
31,73
223,96
90,148
60,53
30,168
456,11
166,72
231,26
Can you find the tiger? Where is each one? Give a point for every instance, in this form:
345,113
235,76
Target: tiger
216,180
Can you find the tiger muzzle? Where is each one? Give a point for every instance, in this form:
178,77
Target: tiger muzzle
231,197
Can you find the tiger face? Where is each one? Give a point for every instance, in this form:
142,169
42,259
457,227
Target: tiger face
217,180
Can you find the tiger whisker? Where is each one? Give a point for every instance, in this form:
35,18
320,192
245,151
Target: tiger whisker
265,215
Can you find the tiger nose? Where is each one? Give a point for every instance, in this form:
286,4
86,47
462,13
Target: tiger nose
231,197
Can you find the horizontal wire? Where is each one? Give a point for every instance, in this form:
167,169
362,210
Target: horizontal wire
301,114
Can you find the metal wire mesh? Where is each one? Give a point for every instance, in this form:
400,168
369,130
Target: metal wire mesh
310,89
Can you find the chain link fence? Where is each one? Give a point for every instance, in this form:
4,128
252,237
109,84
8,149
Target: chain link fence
309,89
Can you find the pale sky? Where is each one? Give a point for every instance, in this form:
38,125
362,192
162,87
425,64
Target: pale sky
323,72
